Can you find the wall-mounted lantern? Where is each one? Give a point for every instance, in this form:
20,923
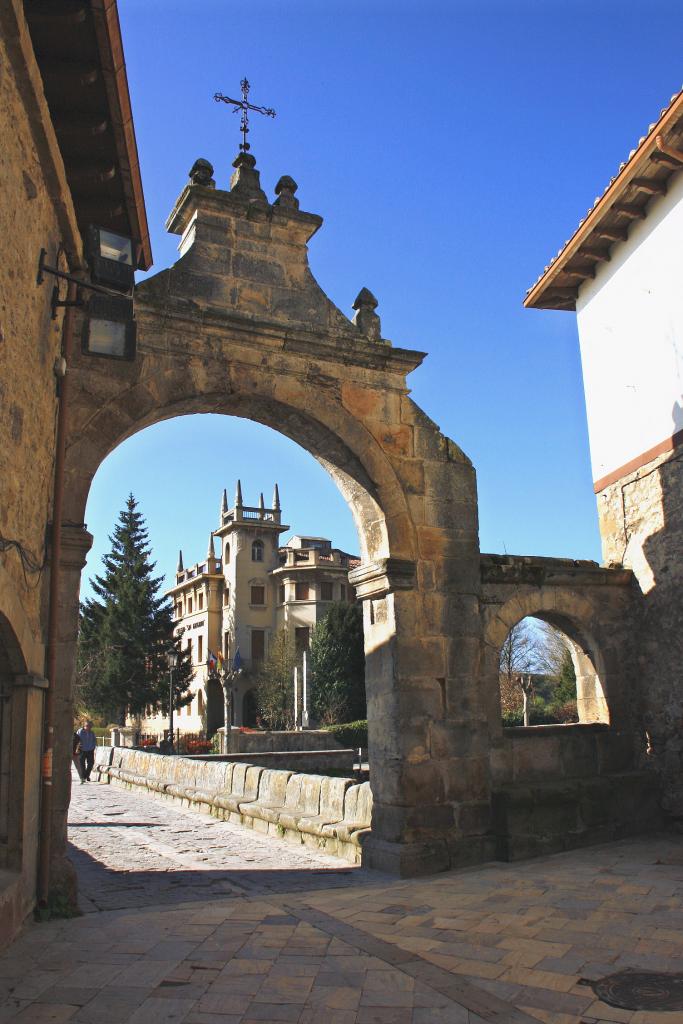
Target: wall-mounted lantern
109,328
110,257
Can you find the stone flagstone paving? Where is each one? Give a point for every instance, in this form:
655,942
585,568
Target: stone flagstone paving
191,920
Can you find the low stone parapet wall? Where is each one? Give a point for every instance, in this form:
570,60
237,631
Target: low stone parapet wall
317,762
330,814
259,741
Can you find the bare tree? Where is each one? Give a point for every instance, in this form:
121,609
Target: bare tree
517,658
551,649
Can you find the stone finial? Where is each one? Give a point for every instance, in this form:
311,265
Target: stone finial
261,503
224,503
238,495
210,553
201,173
179,567
284,190
366,320
246,180
276,499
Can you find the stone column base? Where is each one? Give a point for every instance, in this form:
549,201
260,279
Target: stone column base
407,860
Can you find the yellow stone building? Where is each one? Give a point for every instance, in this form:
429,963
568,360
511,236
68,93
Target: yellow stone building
233,603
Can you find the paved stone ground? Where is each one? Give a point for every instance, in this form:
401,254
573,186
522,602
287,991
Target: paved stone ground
134,850
215,924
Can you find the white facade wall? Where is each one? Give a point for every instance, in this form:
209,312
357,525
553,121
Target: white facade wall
630,320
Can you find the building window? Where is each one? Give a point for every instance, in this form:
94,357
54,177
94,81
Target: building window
189,606
200,648
302,636
326,591
200,702
178,611
343,592
200,602
258,645
227,553
258,595
257,551
189,650
226,647
301,591
281,593
226,596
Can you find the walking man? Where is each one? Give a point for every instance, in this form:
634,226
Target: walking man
88,742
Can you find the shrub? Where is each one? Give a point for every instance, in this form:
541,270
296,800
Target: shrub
350,734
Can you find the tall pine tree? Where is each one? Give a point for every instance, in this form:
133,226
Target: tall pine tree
127,629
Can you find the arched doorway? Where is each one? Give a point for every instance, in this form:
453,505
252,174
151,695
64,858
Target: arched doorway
239,326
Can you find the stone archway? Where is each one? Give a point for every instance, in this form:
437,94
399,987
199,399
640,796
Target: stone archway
239,326
573,616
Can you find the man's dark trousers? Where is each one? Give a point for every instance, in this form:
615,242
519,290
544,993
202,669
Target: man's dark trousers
87,762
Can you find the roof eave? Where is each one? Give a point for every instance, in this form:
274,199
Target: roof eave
640,166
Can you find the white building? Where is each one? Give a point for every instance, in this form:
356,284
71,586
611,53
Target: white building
622,271
235,601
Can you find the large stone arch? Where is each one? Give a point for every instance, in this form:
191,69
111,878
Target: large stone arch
239,326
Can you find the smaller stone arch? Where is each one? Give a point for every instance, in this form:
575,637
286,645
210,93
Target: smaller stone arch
573,615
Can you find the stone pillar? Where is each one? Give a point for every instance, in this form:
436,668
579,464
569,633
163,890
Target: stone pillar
76,542
431,799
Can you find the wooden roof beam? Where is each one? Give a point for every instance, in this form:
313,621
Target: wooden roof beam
613,234
580,273
79,124
602,255
630,210
49,13
650,185
84,174
667,151
69,72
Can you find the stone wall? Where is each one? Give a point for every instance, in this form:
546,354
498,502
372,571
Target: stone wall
36,212
557,787
641,523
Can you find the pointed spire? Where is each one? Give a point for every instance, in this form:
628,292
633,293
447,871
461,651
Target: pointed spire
179,567
276,499
261,503
238,495
224,502
210,553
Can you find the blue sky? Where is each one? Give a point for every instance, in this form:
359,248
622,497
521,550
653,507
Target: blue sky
451,149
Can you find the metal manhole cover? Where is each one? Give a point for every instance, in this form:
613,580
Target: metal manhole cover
641,990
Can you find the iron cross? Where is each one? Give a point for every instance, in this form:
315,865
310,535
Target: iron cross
245,107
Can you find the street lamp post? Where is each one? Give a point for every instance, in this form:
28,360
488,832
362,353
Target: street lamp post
172,657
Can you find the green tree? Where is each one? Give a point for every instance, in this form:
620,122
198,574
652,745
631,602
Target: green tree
126,630
275,683
338,665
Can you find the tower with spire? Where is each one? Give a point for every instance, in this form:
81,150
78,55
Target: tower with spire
228,608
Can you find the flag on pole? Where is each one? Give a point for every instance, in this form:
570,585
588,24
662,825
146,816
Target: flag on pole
237,660
211,662
219,661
